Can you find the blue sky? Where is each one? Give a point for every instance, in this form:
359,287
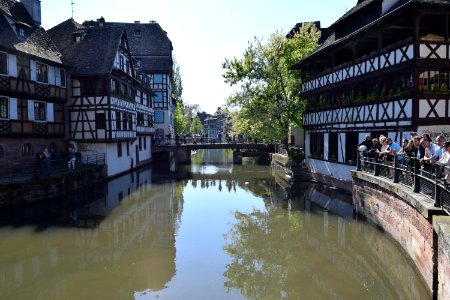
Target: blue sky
203,33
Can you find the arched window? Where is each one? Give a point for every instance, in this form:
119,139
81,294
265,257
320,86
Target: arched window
27,149
2,152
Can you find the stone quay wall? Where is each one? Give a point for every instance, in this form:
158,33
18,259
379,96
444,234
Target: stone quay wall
410,219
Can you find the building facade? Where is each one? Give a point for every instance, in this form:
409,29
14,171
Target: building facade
33,87
382,68
110,108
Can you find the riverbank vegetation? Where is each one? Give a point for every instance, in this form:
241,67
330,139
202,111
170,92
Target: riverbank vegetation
267,100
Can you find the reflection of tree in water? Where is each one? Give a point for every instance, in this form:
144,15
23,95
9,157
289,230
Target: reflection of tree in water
262,247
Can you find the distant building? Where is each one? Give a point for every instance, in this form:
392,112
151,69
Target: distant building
110,109
381,68
216,124
33,87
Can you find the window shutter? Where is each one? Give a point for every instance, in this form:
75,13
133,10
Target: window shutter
52,75
58,77
50,113
30,110
12,65
13,108
33,70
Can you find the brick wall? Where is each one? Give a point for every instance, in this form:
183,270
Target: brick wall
406,216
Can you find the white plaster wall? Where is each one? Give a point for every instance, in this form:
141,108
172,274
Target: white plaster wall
338,171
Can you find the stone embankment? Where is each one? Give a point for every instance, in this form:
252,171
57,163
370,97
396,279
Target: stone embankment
421,229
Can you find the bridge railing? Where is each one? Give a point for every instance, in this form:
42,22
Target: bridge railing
430,181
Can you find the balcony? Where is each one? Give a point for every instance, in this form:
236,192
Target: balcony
389,57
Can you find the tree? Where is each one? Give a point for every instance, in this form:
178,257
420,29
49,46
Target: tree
190,110
196,126
268,100
177,95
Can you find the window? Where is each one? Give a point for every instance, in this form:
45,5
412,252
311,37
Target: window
158,97
138,62
140,119
130,122
21,32
100,120
351,143
39,111
157,79
137,32
118,121
2,152
145,143
316,142
119,149
124,121
41,73
3,63
27,149
333,146
121,63
128,149
4,110
159,117
62,73
140,143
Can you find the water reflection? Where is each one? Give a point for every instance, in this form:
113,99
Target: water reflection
124,241
159,233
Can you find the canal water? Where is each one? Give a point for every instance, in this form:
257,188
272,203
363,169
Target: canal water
206,231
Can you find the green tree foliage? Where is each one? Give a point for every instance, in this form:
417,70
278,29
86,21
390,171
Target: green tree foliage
268,100
177,95
196,126
180,121
190,110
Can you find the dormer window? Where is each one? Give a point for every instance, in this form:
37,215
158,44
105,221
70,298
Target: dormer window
41,73
3,63
138,62
137,32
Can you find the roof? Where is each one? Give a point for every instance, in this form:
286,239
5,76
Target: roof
94,53
37,42
331,39
150,43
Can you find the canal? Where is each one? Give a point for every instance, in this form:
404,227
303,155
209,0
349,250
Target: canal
210,230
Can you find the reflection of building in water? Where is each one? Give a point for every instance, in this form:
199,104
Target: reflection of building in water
129,243
220,156
323,249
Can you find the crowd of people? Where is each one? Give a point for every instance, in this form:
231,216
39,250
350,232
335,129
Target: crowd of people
430,153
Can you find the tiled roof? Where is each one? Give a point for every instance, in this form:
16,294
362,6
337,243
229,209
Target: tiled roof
94,53
149,42
37,42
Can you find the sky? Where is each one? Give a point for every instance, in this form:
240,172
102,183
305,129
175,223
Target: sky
203,32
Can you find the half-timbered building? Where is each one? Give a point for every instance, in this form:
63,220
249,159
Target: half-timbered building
109,109
32,87
151,50
383,67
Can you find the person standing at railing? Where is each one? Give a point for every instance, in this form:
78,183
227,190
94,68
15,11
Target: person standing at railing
383,147
46,160
72,158
440,141
444,161
392,150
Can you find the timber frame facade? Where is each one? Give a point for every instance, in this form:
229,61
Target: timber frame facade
110,108
383,67
33,87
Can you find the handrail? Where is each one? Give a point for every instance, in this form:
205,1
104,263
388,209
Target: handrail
431,181
54,168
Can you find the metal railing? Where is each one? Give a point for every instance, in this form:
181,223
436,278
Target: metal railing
432,181
54,168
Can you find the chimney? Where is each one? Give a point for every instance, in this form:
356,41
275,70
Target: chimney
34,9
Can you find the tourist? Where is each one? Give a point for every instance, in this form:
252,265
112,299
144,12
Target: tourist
384,146
440,141
367,142
430,152
46,160
444,162
392,150
72,158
